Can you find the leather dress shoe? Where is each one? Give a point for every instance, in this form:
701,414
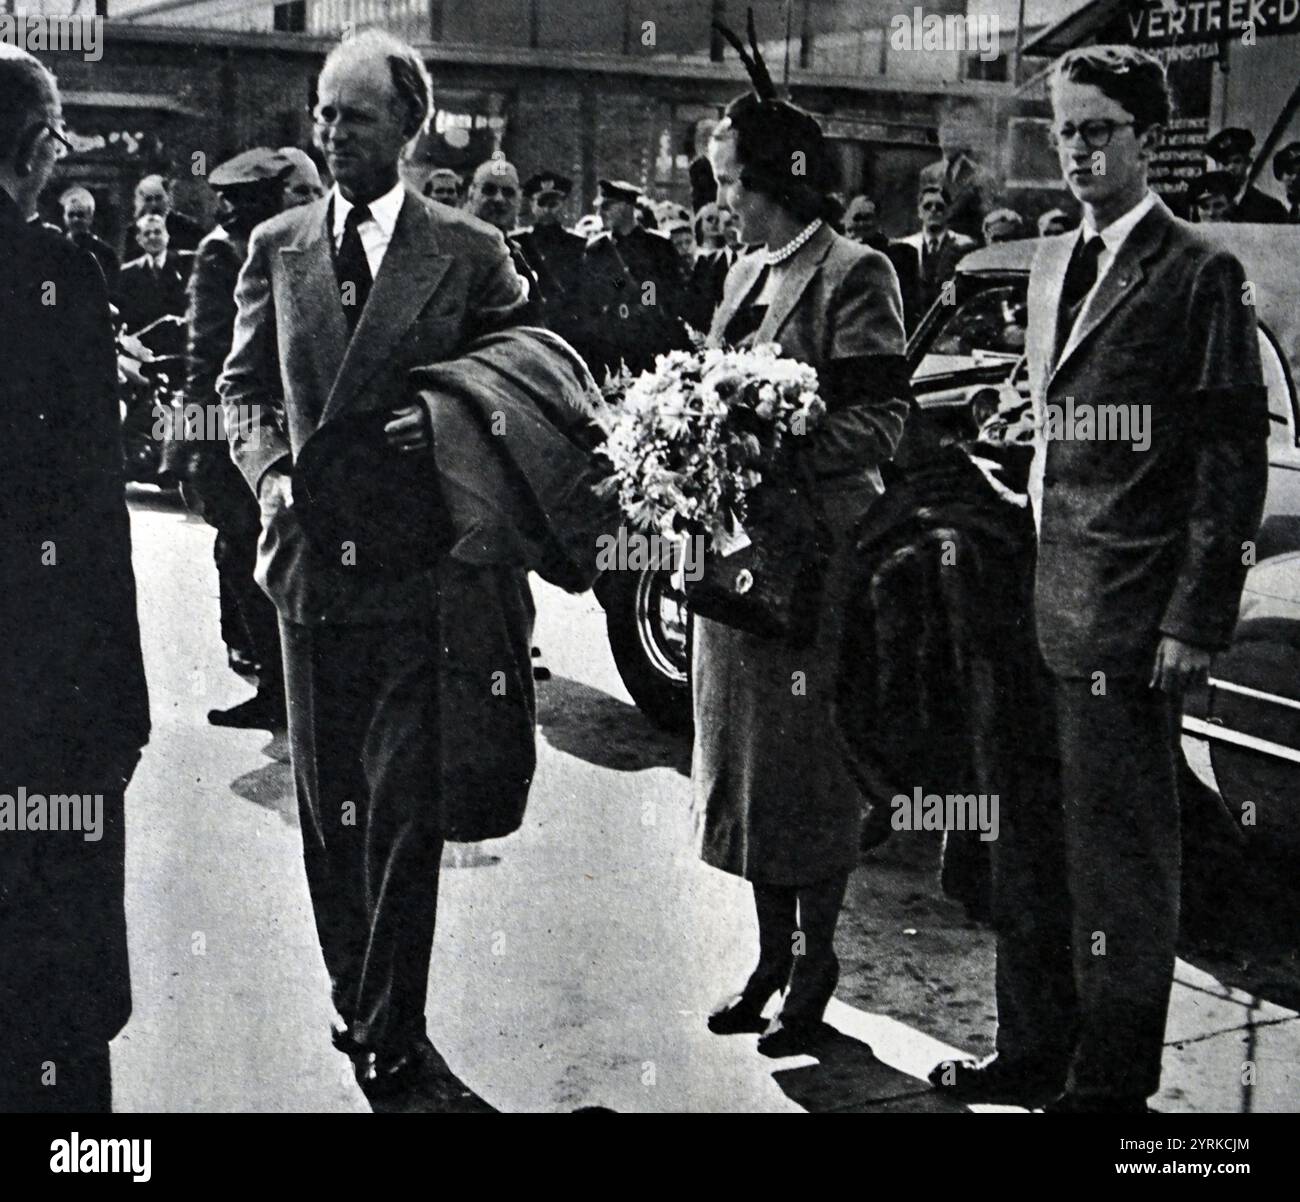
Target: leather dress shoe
1069,1103
389,1074
742,1012
257,713
996,1082
792,1037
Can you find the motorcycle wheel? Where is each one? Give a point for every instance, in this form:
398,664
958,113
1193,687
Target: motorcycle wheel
649,633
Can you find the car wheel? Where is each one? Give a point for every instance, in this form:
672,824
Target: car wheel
649,633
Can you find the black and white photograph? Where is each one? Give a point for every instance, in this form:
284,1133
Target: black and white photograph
649,556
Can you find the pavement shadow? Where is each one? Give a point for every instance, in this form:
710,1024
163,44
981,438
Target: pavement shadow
271,787
848,1078
602,730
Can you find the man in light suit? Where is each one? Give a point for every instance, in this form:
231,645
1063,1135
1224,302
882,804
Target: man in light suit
1141,538
927,260
337,301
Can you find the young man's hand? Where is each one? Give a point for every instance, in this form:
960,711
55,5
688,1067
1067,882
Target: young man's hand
1179,666
409,429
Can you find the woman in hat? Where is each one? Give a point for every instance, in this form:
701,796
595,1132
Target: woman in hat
774,800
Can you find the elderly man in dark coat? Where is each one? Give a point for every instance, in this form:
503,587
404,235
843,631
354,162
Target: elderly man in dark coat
337,302
74,712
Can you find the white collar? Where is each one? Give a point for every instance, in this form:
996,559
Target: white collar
1117,231
383,209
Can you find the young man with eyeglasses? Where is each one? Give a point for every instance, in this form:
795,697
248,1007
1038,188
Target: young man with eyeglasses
74,711
1137,583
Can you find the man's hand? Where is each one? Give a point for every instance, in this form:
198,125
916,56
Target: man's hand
409,429
1179,666
275,492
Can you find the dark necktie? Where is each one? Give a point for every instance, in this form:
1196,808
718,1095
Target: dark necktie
352,267
1080,276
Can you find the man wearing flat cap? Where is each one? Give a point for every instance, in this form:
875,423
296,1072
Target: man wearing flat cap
1286,170
634,300
251,188
553,252
1232,150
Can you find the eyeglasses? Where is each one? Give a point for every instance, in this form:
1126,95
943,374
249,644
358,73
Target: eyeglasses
326,116
1095,134
63,147
933,206
547,200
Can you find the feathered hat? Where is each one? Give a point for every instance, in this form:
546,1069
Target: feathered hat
781,148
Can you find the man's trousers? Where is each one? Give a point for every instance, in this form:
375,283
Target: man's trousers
363,735
1086,894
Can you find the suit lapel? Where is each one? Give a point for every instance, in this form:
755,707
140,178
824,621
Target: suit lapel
1046,280
800,275
1124,277
308,264
412,269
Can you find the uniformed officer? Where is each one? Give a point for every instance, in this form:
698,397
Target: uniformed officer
1211,195
553,252
1232,149
634,307
251,187
1286,170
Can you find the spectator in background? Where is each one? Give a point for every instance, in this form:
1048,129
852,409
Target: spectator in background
151,289
682,237
78,219
1286,170
645,214
862,223
959,172
1212,195
708,227
1003,225
933,255
1054,221
303,183
495,196
152,196
445,186
730,231
670,213
588,225
1232,151
554,254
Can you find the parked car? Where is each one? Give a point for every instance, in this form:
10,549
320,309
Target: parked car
971,381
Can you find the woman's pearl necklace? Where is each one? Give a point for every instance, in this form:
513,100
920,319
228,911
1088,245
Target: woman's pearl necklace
792,247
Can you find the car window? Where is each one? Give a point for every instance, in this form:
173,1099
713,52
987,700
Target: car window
988,327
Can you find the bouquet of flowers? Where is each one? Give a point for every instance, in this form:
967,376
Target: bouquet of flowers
691,439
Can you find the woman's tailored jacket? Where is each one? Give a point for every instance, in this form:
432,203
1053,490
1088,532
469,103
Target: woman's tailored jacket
774,799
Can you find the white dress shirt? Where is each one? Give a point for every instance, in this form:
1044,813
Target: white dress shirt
377,232
1112,237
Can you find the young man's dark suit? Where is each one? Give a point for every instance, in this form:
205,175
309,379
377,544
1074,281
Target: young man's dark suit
104,255
364,654
74,711
144,294
1133,545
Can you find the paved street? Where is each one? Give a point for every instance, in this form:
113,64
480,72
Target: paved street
575,961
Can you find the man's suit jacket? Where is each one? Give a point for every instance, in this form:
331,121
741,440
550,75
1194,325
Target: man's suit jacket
930,271
104,254
143,296
1260,207
1136,544
74,710
446,278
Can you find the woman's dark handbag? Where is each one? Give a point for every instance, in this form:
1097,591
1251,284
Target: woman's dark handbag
772,586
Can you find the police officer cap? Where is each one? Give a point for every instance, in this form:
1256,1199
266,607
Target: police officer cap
618,189
547,181
1229,142
1212,183
1286,160
251,167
